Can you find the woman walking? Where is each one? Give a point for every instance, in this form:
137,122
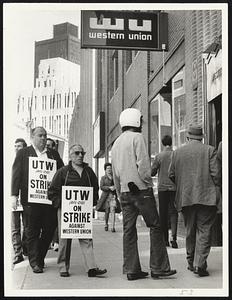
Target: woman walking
107,201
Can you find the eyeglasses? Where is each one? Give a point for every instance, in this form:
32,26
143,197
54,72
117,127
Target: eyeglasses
79,152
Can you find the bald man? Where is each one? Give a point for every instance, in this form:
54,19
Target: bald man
41,219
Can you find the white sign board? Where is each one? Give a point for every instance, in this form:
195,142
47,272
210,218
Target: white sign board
76,212
41,172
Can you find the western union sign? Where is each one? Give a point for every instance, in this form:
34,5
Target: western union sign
124,30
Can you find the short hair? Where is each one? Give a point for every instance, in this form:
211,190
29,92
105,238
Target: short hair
107,165
20,140
34,129
53,142
75,145
167,140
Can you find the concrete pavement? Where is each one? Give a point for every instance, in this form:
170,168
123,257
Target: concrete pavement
108,253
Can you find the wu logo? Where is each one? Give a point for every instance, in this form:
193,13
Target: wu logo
119,24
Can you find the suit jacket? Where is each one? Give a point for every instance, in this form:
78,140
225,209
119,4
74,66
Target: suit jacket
193,168
20,171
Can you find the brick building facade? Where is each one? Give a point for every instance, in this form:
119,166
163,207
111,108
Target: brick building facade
64,44
172,88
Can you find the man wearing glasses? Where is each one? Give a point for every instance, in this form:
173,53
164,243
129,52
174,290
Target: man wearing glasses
76,173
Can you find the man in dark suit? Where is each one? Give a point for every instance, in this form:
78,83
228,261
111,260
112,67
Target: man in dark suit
41,219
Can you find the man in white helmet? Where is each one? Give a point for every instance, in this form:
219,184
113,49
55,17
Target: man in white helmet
133,182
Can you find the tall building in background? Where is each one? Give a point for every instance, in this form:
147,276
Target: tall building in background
51,102
64,44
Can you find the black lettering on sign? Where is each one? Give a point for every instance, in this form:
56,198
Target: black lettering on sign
32,183
49,165
66,217
84,195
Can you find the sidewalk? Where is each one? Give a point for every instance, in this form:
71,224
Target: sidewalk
108,253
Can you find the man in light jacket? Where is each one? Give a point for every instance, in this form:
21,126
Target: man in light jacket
193,169
133,183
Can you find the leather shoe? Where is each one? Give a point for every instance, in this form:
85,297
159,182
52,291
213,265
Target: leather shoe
96,272
37,269
64,274
163,274
174,244
201,272
135,276
18,259
190,267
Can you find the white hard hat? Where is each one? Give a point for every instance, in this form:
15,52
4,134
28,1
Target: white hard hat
130,117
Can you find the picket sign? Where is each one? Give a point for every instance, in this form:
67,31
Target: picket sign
76,212
41,172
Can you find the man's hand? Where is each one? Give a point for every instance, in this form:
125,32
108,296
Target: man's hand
14,202
112,188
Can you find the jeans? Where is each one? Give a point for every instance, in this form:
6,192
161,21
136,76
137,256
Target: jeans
132,205
18,242
166,209
199,220
64,253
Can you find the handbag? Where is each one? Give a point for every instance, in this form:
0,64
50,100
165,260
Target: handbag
118,208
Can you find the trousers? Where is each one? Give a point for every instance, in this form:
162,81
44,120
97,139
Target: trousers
166,209
17,234
64,253
198,220
132,205
41,221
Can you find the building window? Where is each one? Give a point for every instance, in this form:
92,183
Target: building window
154,128
179,125
128,58
115,66
67,124
45,83
68,100
59,124
178,84
35,102
64,124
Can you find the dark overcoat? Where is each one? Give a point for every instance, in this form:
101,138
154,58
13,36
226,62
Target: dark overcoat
105,184
20,171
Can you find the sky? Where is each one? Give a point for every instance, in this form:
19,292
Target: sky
23,24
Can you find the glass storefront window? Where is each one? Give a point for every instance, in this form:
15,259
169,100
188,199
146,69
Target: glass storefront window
179,109
160,125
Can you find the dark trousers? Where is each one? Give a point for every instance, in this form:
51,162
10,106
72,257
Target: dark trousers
166,209
132,205
41,221
18,233
199,220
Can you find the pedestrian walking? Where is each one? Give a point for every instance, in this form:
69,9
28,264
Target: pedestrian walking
40,219
133,182
76,173
166,191
193,169
108,201
55,240
17,218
